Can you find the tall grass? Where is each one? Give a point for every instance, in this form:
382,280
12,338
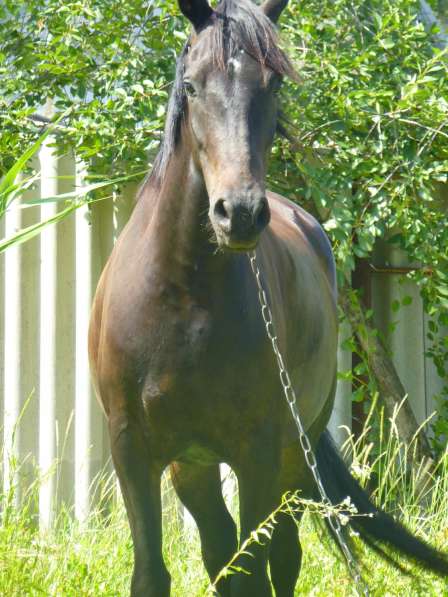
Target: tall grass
95,558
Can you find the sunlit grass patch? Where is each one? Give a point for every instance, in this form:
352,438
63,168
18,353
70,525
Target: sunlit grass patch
95,558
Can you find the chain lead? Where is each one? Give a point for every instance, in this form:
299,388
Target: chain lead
310,457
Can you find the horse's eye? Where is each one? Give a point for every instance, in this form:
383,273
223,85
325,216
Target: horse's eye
189,89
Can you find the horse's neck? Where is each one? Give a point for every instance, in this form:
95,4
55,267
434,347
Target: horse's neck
179,230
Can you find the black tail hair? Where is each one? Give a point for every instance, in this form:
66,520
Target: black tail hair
378,530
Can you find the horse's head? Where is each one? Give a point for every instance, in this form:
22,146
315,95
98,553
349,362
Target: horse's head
231,72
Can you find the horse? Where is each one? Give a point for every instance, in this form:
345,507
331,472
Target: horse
179,354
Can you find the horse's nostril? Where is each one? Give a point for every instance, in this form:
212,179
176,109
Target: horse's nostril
262,214
221,209
223,213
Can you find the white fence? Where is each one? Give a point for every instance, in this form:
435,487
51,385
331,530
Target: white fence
45,295
46,290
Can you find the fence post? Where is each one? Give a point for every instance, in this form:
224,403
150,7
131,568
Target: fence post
83,393
48,303
12,328
342,410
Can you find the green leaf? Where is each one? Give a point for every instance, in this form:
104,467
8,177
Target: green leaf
31,231
395,306
7,183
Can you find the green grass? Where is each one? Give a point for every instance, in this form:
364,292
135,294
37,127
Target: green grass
96,559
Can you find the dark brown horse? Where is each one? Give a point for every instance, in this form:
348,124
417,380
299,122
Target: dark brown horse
178,347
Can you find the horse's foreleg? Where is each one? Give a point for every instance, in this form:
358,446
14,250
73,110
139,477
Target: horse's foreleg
285,555
140,484
257,481
199,489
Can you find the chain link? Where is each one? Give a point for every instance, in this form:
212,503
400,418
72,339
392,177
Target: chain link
308,452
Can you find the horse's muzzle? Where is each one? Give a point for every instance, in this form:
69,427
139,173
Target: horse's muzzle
239,222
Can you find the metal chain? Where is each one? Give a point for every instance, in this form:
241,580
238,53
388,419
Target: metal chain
310,457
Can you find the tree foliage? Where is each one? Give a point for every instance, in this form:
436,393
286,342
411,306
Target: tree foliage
372,122
110,62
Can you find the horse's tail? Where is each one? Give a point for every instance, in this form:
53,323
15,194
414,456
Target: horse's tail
378,529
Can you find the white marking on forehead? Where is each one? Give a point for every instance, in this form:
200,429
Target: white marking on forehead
235,64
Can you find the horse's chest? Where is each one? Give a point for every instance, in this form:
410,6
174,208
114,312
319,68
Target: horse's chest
194,352
176,340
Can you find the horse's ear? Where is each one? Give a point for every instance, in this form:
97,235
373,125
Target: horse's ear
273,8
196,11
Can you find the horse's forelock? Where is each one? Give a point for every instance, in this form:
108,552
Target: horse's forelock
242,24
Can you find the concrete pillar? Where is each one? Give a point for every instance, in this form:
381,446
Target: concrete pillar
402,329
11,363
341,418
29,342
65,317
48,364
89,419
434,384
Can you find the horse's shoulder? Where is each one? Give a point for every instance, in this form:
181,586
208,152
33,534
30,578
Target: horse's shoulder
289,212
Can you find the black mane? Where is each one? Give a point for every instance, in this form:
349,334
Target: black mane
237,24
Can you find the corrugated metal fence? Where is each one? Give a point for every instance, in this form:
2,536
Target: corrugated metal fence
46,290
